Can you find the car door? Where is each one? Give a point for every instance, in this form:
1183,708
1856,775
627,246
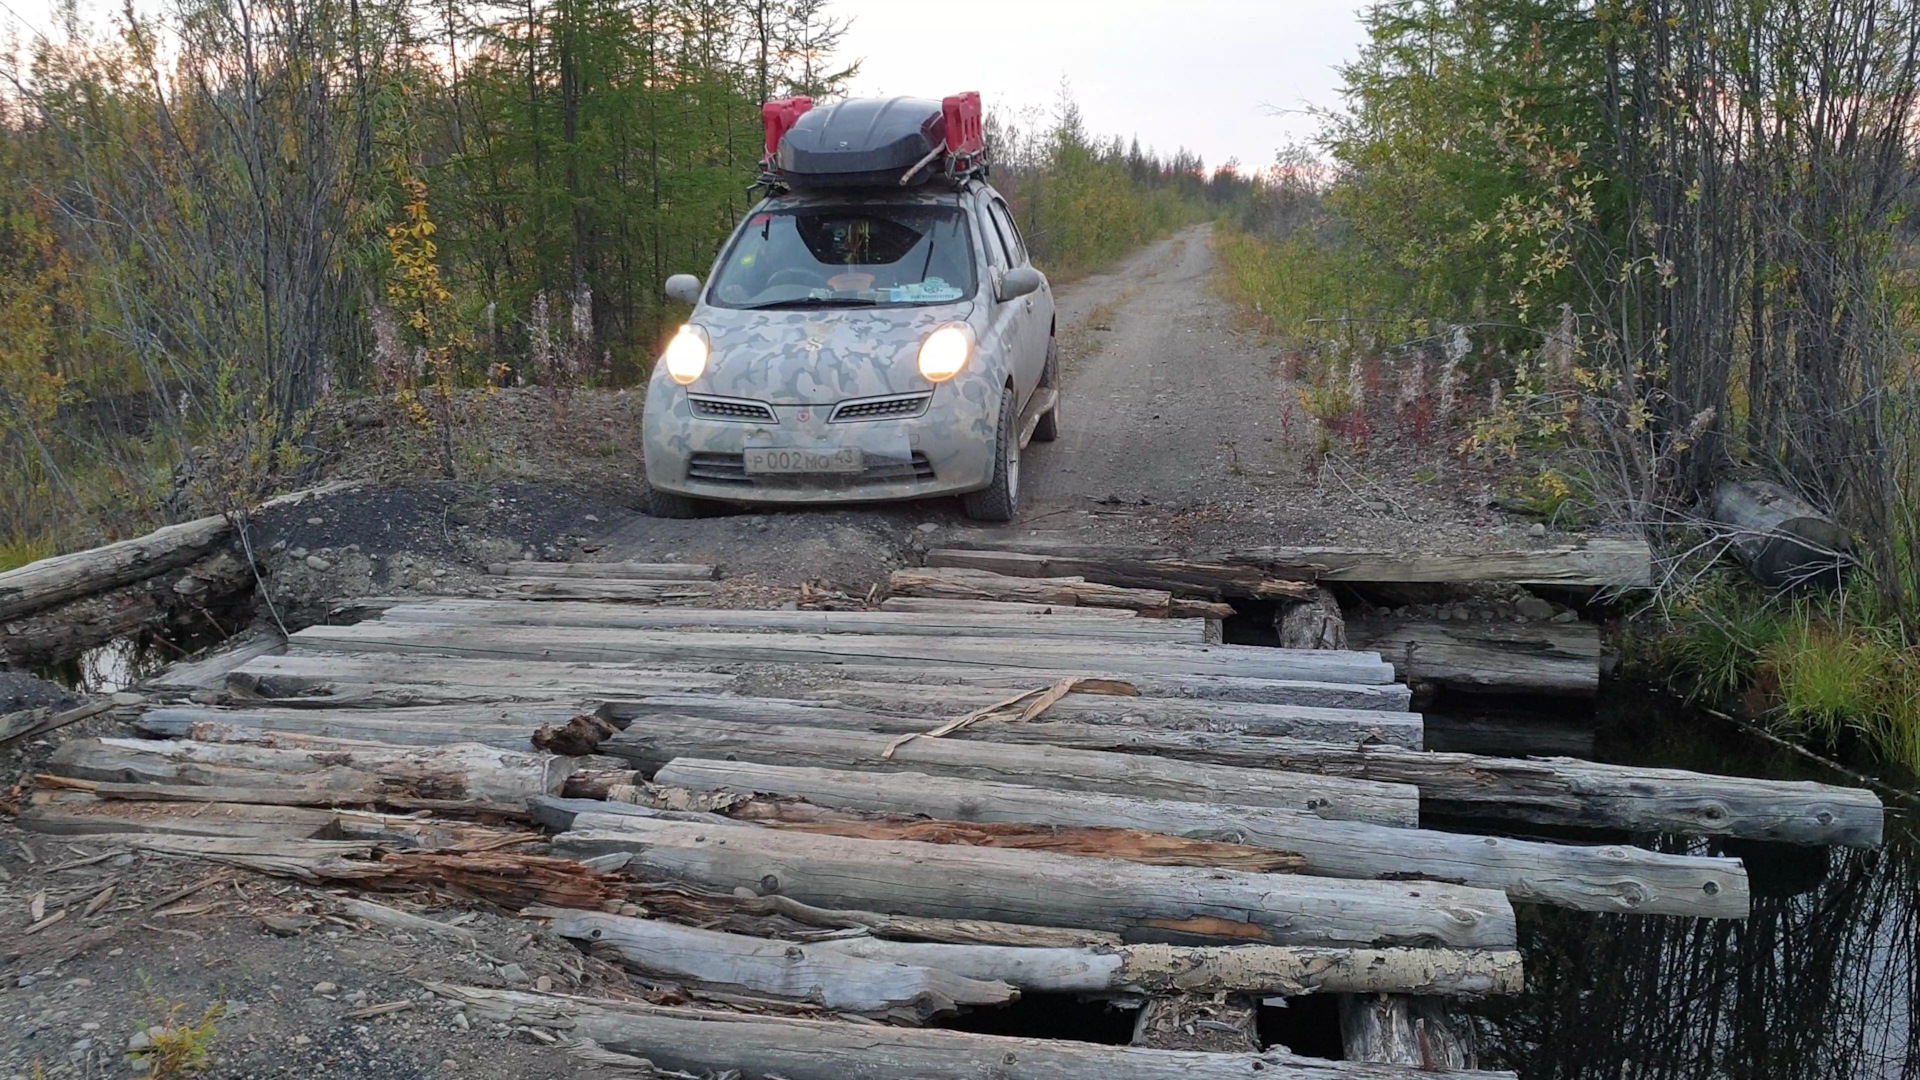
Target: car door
1036,315
1009,322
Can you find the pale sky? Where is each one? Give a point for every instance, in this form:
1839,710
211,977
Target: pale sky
1206,74
1227,78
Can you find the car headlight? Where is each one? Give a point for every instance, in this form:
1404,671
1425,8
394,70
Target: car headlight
686,355
945,351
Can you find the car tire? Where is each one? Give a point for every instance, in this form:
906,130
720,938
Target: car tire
1000,500
1048,429
666,504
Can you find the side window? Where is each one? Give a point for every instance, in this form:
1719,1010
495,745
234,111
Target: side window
1003,217
997,247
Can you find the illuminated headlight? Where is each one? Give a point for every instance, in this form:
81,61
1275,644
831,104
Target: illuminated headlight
945,351
686,355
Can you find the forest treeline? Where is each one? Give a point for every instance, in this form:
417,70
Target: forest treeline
1632,248
222,215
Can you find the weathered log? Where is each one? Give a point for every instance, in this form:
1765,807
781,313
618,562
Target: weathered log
1313,623
701,1042
389,681
1396,1029
967,584
462,775
1782,539
210,671
177,597
1129,568
1487,657
1167,903
600,589
934,652
1599,561
404,921
510,613
433,725
665,738
933,605
1608,878
836,980
79,813
897,708
618,571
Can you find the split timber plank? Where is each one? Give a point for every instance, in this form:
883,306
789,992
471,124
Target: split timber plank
593,644
1289,971
897,708
1123,569
510,613
833,979
210,672
1168,903
503,727
70,813
617,571
665,738
701,1042
935,606
467,775
964,584
1609,878
1603,562
605,590
384,680
1488,658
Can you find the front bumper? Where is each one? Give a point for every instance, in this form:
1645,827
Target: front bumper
946,450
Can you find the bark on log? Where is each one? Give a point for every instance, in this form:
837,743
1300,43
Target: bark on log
463,775
1783,540
1607,878
1489,657
1313,623
1393,1028
1599,561
510,613
618,571
700,1042
970,584
1147,903
832,979
883,707
666,738
1123,568
933,652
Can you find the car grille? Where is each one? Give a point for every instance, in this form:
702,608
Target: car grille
887,408
730,409
732,469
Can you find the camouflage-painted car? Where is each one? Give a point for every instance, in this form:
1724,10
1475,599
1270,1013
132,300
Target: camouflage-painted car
854,346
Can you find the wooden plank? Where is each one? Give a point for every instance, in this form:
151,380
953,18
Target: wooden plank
1608,878
511,613
619,571
595,644
1168,903
77,813
885,707
700,1042
966,584
610,590
837,980
935,606
1283,970
1605,562
1126,569
665,738
210,671
506,726
1487,657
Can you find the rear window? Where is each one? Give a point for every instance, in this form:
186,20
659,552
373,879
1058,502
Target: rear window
848,256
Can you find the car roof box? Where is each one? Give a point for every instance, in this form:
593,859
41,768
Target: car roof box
874,142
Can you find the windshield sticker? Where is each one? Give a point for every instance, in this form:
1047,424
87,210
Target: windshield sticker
932,290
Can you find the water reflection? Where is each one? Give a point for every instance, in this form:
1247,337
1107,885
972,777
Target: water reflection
1819,983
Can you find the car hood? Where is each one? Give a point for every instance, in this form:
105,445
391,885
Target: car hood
817,357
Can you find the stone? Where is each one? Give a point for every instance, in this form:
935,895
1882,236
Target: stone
543,984
127,697
1566,617
315,562
515,975
927,527
326,988
25,980
460,1021
297,553
316,521
139,1041
1534,608
439,571
1537,529
1461,614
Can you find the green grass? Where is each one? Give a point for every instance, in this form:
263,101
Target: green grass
18,553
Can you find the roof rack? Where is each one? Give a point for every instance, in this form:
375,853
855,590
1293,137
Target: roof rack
872,142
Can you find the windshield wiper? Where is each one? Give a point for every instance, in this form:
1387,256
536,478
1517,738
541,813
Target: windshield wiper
816,301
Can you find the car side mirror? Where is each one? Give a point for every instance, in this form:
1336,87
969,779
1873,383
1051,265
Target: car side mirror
1018,282
684,289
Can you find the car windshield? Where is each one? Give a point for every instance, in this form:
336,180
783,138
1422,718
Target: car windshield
848,256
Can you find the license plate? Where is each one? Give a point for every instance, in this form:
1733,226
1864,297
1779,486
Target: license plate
775,460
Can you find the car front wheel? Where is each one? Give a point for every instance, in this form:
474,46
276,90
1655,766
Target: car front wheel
1000,501
666,504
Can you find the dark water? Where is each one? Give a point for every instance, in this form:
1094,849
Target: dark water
1821,982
